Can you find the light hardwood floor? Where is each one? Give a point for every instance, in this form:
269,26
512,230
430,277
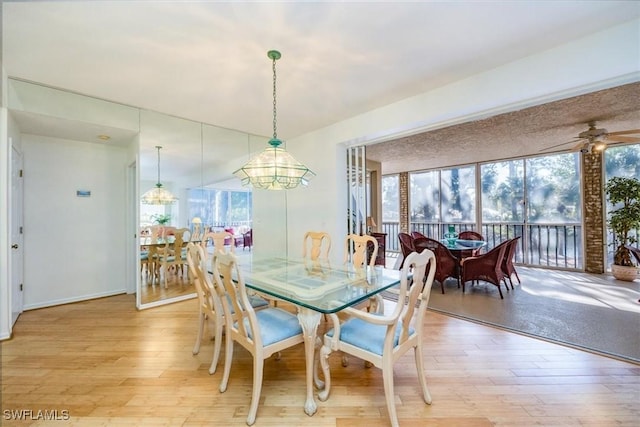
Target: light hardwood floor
108,364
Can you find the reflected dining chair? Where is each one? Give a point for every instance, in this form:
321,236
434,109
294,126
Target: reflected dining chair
173,255
447,265
316,245
209,304
262,332
486,267
148,251
382,340
247,239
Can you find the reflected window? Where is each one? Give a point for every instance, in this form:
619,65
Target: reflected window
220,208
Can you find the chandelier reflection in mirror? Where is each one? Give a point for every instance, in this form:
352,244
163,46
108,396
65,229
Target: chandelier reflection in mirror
158,195
274,168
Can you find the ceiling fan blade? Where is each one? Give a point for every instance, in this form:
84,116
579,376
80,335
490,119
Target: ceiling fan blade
578,146
561,144
625,132
623,138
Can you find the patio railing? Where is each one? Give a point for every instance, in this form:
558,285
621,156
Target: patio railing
545,245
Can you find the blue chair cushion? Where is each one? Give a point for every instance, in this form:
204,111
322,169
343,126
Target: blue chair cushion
365,335
257,302
275,325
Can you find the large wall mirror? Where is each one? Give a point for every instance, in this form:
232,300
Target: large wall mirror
195,163
90,144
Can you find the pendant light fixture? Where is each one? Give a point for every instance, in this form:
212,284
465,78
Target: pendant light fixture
274,168
158,195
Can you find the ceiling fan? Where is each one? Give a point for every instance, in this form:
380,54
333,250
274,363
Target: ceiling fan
598,139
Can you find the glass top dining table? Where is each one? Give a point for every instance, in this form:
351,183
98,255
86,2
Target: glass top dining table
316,285
463,245
315,288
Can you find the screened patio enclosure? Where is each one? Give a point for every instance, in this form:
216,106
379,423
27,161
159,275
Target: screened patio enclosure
537,198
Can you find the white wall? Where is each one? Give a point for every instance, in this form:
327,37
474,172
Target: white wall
606,59
74,246
5,244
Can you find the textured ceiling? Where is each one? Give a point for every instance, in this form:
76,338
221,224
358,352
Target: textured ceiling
528,131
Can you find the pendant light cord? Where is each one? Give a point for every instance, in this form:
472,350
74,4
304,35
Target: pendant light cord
158,147
275,134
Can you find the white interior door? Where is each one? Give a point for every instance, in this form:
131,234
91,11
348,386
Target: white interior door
15,224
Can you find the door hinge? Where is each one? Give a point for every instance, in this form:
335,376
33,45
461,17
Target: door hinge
20,175
21,229
21,286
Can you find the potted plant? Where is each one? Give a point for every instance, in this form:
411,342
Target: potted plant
624,195
161,219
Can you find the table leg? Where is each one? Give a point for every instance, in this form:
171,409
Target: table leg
309,320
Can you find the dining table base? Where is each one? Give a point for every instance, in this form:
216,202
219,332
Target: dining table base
309,320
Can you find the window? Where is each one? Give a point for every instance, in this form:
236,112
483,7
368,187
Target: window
621,160
458,196
391,198
425,196
502,191
220,208
536,198
553,189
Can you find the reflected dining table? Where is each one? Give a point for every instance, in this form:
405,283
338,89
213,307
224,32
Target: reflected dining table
315,288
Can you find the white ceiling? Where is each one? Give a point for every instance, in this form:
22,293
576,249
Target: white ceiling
207,61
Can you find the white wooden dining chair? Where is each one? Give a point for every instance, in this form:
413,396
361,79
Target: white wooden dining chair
316,245
216,241
173,256
209,306
357,249
262,332
382,340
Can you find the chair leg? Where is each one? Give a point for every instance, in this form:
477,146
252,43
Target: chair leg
511,282
516,273
166,273
421,377
500,290
228,356
258,367
387,377
201,319
345,361
217,345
